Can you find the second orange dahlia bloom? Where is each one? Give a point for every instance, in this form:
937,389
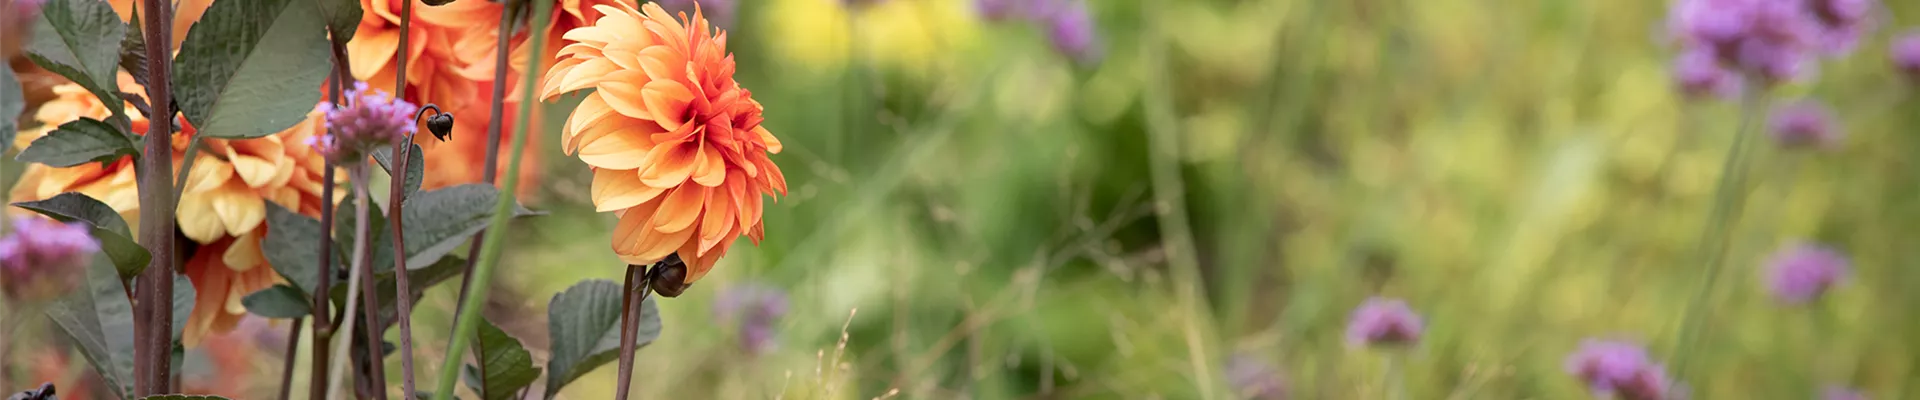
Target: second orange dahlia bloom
675,143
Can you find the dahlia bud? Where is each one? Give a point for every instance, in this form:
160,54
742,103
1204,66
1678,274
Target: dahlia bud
371,118
1802,272
44,259
1804,124
756,309
1906,55
669,276
1383,321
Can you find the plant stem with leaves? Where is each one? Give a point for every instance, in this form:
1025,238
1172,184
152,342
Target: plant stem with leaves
503,49
403,292
153,311
468,314
322,316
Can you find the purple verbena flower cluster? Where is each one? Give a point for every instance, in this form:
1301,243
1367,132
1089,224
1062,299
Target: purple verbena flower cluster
755,308
1771,41
1906,55
1800,273
371,118
1383,321
43,259
1068,24
1804,124
1253,378
1620,369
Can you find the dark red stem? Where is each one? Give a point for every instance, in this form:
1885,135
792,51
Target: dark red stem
153,310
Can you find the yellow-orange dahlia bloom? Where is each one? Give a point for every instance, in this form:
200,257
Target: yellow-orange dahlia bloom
223,207
450,63
675,143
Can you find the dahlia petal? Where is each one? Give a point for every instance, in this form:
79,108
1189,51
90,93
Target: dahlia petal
625,54
371,51
668,165
709,169
585,74
662,62
209,283
238,209
666,102
196,218
623,149
208,173
647,245
284,196
621,189
256,172
746,201
773,143
625,94
282,172
717,224
244,254
775,181
587,115
680,208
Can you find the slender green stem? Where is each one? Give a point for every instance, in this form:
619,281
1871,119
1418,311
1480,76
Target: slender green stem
1170,206
495,118
357,174
1716,235
186,165
1396,375
469,313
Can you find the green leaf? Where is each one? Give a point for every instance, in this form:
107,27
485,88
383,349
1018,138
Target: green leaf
12,103
293,247
419,279
68,40
584,324
251,68
183,397
79,142
183,297
100,321
343,17
279,301
104,224
416,167
509,366
437,222
133,50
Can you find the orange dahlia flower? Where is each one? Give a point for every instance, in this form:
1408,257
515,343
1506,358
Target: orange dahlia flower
450,62
675,143
223,207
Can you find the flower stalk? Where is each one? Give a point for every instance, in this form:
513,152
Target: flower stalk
357,174
153,311
1716,235
403,290
468,313
502,52
637,281
323,317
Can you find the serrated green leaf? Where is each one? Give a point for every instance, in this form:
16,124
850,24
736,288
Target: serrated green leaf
342,16
293,247
437,221
133,50
584,325
12,103
68,40
79,142
251,68
509,366
416,166
183,397
279,301
104,224
100,321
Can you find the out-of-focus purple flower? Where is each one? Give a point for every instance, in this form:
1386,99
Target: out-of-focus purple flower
44,259
1619,369
998,10
1841,393
1070,27
1843,22
1804,124
756,309
1383,321
1906,54
718,12
1775,40
1699,74
371,118
1256,379
1802,272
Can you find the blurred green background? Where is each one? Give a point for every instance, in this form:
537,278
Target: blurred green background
1010,223
1229,178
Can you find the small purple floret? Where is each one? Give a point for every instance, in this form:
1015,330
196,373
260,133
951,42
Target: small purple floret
1801,273
1383,321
